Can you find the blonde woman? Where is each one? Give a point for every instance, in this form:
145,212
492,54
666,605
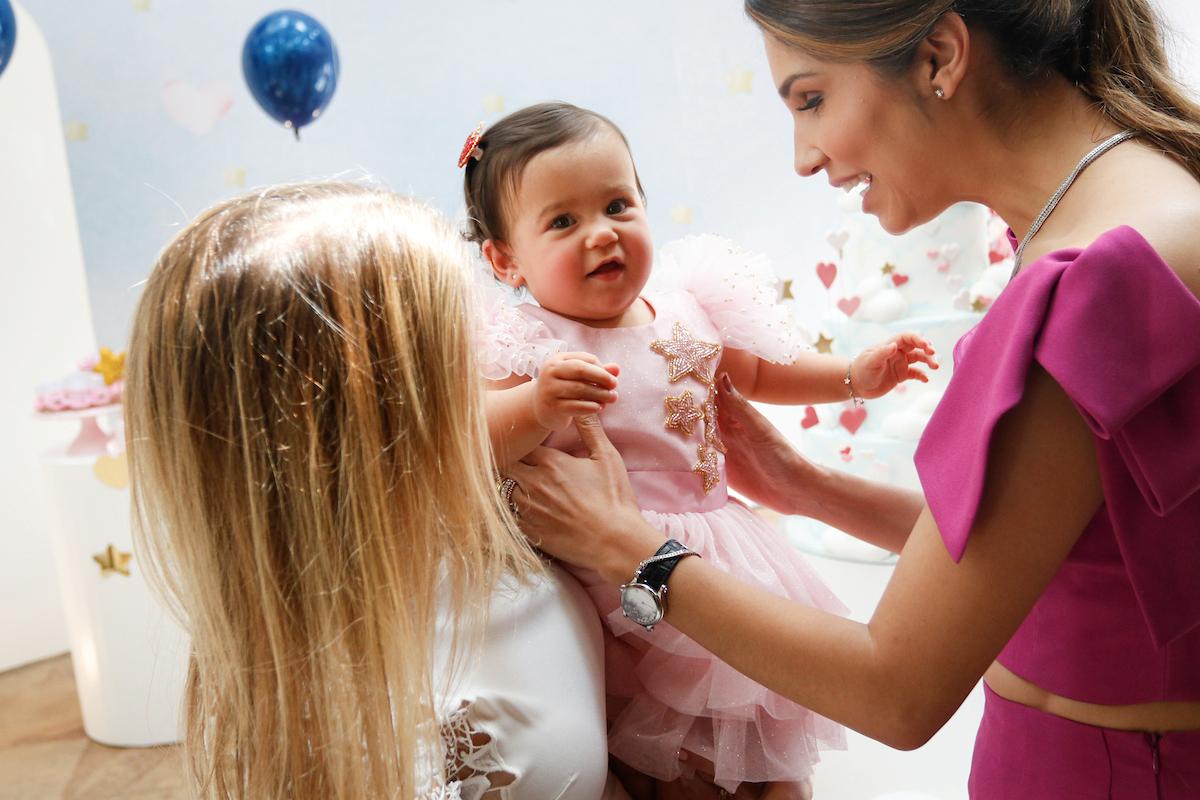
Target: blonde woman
315,493
1053,549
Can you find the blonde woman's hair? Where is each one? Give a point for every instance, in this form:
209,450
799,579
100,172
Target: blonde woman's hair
1112,49
312,483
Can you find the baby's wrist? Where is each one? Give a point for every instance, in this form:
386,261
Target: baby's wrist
852,387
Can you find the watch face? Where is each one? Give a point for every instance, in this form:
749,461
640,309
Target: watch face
640,604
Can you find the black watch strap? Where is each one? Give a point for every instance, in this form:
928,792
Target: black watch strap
655,573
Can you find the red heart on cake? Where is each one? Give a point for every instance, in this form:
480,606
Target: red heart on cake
898,279
810,418
853,418
826,272
845,451
849,305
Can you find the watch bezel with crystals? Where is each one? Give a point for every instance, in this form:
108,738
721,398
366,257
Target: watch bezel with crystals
631,590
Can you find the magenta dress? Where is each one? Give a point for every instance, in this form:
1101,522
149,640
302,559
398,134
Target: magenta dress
1120,622
667,693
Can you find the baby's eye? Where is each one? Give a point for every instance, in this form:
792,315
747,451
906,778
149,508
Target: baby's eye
560,222
810,101
616,207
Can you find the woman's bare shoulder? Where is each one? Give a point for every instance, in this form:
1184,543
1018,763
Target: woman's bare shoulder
1156,196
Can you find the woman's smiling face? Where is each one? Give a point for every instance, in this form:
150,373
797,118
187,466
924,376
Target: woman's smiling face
858,125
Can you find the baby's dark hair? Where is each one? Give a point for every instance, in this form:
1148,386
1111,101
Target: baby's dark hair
508,146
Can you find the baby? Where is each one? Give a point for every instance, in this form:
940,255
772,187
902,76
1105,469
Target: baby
555,203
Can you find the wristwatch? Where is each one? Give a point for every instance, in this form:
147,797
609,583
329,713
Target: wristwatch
644,599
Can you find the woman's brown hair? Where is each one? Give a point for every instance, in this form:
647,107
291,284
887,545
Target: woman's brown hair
1111,49
312,484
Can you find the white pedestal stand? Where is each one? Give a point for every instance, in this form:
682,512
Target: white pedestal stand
130,657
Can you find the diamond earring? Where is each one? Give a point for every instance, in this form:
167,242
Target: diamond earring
941,94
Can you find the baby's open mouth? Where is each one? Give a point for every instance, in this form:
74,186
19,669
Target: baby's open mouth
607,268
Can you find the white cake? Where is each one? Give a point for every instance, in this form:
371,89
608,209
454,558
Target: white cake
936,280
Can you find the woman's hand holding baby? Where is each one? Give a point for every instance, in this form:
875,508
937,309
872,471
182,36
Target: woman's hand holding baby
570,385
880,368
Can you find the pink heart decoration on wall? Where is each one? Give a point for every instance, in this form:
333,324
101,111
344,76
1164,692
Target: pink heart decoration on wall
196,109
810,418
848,305
826,273
852,419
898,279
845,453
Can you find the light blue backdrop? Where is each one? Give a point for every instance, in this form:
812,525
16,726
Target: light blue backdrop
143,85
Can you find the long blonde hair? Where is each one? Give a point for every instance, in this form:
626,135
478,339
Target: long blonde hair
1112,49
312,482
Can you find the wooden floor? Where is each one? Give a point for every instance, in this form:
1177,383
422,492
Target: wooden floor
44,753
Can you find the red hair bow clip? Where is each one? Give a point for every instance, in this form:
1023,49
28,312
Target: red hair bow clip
471,148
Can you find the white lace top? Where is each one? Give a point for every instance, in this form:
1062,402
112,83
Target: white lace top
526,718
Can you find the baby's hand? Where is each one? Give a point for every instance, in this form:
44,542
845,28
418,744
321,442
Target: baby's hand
571,385
877,370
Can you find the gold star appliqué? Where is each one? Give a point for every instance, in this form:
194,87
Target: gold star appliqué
113,561
112,367
824,344
682,413
707,467
687,355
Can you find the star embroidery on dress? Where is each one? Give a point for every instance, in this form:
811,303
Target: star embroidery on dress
707,467
682,413
687,355
710,423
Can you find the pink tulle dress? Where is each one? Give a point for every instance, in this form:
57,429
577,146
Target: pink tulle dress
667,693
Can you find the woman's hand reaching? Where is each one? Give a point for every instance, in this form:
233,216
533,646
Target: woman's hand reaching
583,510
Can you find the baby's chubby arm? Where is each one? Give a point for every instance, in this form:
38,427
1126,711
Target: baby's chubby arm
522,412
818,378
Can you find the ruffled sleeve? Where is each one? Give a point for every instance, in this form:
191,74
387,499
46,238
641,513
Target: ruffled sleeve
1120,333
739,292
508,342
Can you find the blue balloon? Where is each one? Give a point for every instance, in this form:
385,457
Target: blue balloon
8,33
291,67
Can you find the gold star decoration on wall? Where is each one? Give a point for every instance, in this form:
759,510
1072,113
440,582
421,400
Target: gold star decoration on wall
979,305
682,413
686,355
739,80
824,344
888,268
787,291
111,366
113,561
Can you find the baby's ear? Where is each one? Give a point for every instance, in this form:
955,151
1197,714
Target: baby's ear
504,266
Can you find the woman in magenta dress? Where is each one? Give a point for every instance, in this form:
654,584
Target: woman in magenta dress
1054,549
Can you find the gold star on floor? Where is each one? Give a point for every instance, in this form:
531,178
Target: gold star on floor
888,268
682,413
112,367
113,561
824,344
686,355
707,467
787,291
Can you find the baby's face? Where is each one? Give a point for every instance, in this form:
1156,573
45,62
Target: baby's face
578,231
